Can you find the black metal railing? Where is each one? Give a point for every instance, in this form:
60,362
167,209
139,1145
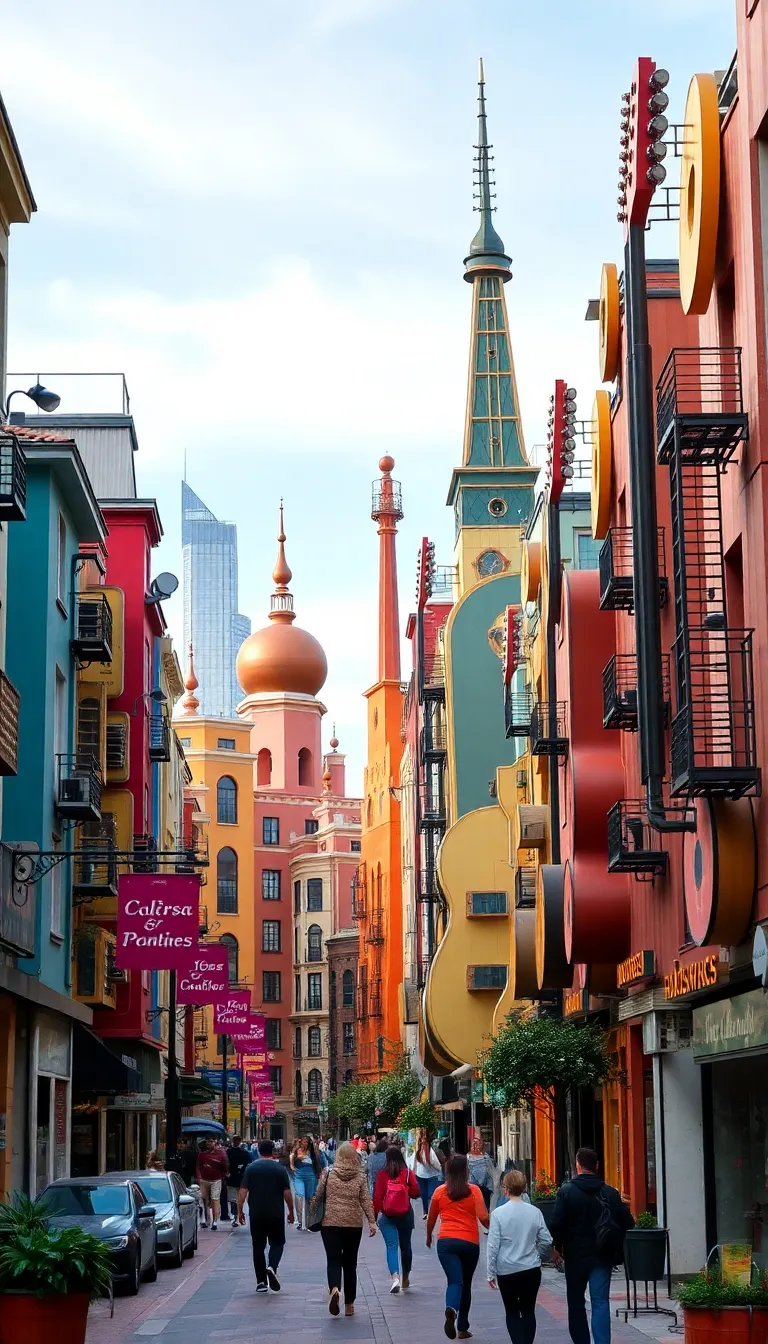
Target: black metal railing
428,886
145,858
374,931
94,865
387,499
620,691
433,675
617,591
444,581
713,732
518,708
525,886
9,726
159,737
93,628
374,998
633,844
432,809
549,736
78,786
700,404
117,745
13,480
434,738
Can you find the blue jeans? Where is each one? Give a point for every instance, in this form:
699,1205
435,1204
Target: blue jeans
577,1279
427,1186
304,1184
397,1233
459,1260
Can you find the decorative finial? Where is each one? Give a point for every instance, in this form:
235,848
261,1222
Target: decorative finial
486,248
327,777
282,601
190,703
334,739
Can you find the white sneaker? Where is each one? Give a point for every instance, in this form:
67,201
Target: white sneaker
395,1285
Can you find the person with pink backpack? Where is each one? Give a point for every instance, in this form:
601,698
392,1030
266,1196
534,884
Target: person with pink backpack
395,1187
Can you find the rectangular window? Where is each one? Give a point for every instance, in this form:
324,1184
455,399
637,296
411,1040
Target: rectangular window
270,984
354,846
270,831
297,1043
486,902
315,893
311,826
297,898
276,1078
60,719
587,551
297,992
486,977
348,1038
226,744
315,991
57,874
186,742
274,1033
270,935
270,884
314,1043
62,585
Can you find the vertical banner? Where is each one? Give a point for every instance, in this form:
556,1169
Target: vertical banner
234,1014
157,921
252,1037
206,980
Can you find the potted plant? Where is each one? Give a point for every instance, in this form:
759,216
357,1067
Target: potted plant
48,1276
714,1309
645,1250
543,1194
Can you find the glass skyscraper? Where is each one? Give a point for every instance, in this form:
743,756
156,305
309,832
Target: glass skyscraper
212,623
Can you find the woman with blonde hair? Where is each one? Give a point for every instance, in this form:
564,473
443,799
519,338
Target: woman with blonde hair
517,1237
347,1207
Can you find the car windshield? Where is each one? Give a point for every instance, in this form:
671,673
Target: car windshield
155,1188
102,1200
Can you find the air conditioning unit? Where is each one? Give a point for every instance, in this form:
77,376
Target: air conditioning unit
666,1032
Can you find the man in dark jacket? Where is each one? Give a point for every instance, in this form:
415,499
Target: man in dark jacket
578,1208
238,1158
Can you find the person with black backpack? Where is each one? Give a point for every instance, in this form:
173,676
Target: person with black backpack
588,1226
395,1187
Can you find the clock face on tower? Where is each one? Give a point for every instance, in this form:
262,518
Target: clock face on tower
489,563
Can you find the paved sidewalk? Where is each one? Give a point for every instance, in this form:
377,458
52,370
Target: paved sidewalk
213,1299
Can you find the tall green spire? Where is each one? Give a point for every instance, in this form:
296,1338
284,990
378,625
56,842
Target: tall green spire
486,251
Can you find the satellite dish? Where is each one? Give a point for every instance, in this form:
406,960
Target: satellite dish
162,587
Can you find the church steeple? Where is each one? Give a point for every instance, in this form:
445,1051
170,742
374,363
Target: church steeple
387,510
486,251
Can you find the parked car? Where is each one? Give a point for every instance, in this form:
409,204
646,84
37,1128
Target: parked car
175,1211
116,1211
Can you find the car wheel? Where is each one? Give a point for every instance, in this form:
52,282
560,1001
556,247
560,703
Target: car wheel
192,1247
134,1282
151,1274
177,1260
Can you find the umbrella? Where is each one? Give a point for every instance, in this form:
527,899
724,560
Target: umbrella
194,1124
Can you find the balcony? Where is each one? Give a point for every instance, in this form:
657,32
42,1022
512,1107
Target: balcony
374,999
620,691
518,708
429,887
94,865
191,855
95,976
9,726
617,592
159,738
386,499
117,745
700,405
713,732
633,844
525,886
18,904
548,732
13,480
93,628
374,932
78,787
145,854
434,739
432,811
433,677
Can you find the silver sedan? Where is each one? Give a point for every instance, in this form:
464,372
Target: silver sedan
175,1216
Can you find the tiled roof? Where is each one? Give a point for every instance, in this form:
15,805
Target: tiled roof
35,435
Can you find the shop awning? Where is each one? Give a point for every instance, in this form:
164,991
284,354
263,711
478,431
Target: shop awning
449,1105
195,1091
95,1068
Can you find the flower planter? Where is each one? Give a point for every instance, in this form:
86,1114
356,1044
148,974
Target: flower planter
645,1254
26,1319
547,1207
725,1325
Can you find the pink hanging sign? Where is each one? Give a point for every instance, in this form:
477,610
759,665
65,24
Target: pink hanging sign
207,978
157,921
257,1076
252,1036
234,1014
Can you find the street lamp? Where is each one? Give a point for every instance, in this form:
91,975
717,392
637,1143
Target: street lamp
44,399
158,696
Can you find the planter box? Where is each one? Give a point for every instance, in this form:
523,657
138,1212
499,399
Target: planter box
25,1319
645,1254
547,1207
726,1325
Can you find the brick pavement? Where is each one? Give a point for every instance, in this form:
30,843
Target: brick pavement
213,1299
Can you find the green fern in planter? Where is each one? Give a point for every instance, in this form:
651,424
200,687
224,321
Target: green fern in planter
50,1260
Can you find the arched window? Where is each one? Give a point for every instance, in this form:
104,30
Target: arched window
348,1075
298,1088
314,1087
314,1043
226,801
229,941
305,768
348,990
314,943
264,767
89,728
226,882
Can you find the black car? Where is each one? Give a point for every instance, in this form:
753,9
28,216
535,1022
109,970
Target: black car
116,1212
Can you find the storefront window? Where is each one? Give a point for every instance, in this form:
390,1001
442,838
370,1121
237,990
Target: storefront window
43,1153
740,1145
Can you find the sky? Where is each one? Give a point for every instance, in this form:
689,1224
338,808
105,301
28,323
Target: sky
259,214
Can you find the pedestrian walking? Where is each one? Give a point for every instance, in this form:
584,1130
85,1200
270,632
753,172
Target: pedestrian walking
305,1168
154,1162
238,1158
212,1169
347,1207
588,1226
481,1170
395,1187
517,1236
444,1151
266,1186
460,1207
426,1167
376,1163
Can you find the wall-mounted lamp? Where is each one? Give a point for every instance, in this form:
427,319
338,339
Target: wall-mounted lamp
157,696
44,399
